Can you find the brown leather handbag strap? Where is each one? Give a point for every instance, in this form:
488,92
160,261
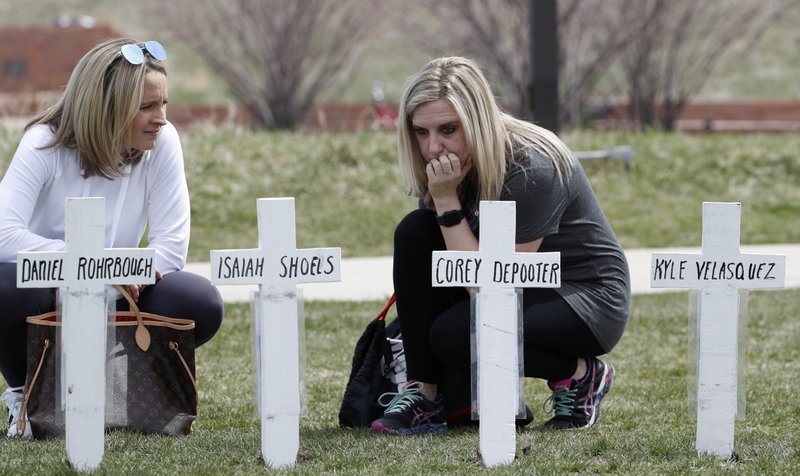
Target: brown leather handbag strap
142,335
174,347
24,408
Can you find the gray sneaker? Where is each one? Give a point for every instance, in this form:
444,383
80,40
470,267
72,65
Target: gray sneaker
409,413
577,405
12,397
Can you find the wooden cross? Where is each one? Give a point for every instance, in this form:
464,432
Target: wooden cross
720,272
82,272
497,270
277,266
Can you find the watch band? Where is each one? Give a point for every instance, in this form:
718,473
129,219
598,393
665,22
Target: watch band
450,218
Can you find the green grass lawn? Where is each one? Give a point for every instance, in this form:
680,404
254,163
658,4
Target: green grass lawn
348,192
645,427
348,195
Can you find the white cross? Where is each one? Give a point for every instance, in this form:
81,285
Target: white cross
720,271
277,266
496,270
82,271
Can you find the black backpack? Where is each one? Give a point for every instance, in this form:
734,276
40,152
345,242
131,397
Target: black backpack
379,366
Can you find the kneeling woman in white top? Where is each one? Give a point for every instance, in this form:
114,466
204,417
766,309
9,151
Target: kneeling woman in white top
107,136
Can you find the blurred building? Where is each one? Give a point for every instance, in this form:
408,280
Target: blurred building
36,61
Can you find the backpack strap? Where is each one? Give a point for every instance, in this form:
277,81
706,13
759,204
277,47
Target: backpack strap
382,315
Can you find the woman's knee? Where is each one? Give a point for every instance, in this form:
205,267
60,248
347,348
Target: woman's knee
207,304
22,301
416,227
26,302
186,295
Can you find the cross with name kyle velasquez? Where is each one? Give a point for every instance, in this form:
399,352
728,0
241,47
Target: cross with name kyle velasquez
720,272
277,266
82,272
496,270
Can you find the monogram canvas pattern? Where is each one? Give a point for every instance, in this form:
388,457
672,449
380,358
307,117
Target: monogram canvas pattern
150,392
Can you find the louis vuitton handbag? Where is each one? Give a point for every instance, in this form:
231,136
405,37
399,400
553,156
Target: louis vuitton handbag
150,375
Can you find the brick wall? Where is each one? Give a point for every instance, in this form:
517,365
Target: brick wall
41,58
725,116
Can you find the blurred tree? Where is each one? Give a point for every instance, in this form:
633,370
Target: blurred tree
276,56
666,49
495,32
591,38
675,55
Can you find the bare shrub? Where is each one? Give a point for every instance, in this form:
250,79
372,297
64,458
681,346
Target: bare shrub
276,56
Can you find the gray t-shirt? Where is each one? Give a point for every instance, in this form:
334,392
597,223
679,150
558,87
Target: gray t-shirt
595,279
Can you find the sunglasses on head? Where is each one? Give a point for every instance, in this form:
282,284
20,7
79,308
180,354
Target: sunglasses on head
134,53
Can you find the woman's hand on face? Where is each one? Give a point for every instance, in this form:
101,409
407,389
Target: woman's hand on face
445,174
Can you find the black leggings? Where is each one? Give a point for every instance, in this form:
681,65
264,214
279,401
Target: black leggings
179,294
436,321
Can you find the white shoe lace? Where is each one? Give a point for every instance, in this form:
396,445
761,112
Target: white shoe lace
403,399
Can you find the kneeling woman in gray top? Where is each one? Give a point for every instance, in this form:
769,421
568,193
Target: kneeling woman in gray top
457,148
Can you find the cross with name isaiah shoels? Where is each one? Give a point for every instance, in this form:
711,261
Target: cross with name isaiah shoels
82,272
497,270
720,272
277,266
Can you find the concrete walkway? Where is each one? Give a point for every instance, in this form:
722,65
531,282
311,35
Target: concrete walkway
371,278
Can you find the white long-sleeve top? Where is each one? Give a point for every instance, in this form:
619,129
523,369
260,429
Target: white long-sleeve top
152,193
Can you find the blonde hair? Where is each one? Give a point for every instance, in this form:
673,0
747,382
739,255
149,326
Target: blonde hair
95,113
494,138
